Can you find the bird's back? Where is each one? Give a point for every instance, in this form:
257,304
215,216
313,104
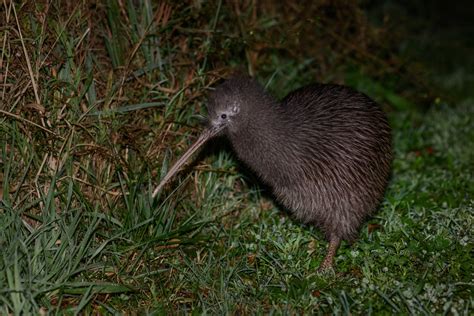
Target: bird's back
336,146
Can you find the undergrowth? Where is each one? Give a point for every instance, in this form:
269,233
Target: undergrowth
98,98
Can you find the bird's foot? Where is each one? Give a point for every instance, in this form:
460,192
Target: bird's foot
327,266
326,271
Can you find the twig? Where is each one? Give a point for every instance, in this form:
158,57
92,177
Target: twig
30,69
30,122
6,35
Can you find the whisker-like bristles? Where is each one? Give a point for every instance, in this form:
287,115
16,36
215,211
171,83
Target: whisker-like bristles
202,120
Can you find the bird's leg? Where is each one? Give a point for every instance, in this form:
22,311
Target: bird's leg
328,261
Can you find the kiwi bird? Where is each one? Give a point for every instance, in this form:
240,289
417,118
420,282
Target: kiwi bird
324,151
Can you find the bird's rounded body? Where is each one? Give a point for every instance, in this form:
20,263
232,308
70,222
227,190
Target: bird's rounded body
325,150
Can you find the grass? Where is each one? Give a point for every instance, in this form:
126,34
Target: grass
111,96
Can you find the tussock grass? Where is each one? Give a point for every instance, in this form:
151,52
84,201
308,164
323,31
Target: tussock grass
99,97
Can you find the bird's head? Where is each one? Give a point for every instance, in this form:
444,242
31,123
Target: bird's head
228,104
229,107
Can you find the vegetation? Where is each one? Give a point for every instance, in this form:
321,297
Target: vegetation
99,97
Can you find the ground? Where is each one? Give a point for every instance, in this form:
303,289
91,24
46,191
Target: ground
98,100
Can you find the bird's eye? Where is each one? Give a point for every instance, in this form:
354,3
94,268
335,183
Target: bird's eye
223,116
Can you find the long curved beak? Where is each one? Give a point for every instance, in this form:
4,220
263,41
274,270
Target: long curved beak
207,134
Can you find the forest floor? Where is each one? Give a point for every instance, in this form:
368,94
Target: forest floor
87,129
